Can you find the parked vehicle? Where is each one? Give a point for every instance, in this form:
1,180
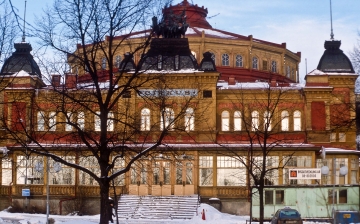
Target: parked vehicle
286,215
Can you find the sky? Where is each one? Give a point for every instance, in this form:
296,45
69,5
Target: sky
303,25
211,216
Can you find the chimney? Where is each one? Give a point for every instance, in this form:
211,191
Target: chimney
70,80
55,80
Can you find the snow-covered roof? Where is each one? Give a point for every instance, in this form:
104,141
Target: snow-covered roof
319,72
256,85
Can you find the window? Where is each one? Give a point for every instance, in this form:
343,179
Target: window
40,121
127,94
269,197
206,170
354,171
189,119
230,172
291,162
30,171
333,137
119,164
159,61
297,120
103,63
69,120
238,61
81,120
90,163
207,94
167,119
267,121
339,162
225,119
273,66
62,174
237,121
156,173
110,122
117,61
188,172
6,168
52,121
271,176
213,58
284,120
97,122
288,71
225,60
255,63
333,196
138,173
265,65
254,121
145,120
342,137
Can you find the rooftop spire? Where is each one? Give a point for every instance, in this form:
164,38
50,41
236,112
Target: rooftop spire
331,34
23,37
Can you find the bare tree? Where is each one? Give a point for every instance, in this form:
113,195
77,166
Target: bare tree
355,57
265,119
96,121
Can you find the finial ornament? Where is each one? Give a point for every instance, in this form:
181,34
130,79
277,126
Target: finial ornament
23,37
331,34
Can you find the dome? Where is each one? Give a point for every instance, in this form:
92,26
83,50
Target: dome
21,59
334,60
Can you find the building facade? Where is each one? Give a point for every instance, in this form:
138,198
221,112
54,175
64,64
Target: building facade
239,98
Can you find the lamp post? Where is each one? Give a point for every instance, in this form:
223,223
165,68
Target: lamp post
325,171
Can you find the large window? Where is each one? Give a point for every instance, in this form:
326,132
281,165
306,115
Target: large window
119,165
254,121
206,170
110,121
145,119
61,174
284,120
291,162
167,119
225,120
271,165
189,119
6,166
269,197
139,173
90,163
297,120
40,121
230,172
184,172
238,61
255,63
237,121
225,60
52,121
30,170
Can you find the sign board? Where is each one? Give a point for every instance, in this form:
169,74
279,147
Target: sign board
25,192
304,174
167,92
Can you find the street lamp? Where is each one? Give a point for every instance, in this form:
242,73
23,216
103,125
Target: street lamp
325,171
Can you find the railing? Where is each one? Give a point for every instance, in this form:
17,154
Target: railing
68,190
5,190
223,192
34,189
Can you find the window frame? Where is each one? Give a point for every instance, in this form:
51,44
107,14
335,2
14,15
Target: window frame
225,59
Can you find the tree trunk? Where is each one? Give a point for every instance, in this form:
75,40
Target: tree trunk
261,212
105,213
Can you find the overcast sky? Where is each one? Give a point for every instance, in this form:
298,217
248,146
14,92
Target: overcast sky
303,25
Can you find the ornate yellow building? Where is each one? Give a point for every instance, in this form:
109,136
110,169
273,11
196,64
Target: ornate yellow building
239,98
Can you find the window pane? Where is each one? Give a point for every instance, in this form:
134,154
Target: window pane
206,170
237,121
343,196
189,173
189,119
297,121
68,126
279,197
284,121
52,121
239,61
97,121
145,120
225,118
269,198
225,60
255,120
41,121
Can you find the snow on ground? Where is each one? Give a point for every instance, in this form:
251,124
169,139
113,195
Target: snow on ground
212,216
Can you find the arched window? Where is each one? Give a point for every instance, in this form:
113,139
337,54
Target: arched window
267,120
189,119
254,120
225,60
238,61
284,120
81,120
213,57
225,119
255,64
273,66
110,122
117,61
167,119
103,63
297,120
69,120
40,121
52,121
288,71
237,121
145,120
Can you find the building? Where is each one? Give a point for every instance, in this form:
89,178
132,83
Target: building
240,98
